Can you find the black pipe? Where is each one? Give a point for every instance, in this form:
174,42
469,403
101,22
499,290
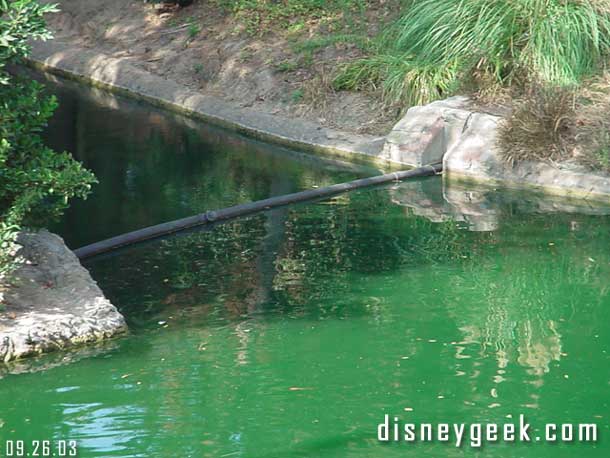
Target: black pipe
246,209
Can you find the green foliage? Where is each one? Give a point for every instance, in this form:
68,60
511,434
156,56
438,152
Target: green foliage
601,155
36,183
297,95
286,66
316,43
437,45
20,20
193,30
401,79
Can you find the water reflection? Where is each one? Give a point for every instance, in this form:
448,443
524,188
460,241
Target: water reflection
154,167
481,208
46,362
509,295
290,333
518,301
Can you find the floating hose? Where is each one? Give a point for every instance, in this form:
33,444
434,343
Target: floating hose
213,216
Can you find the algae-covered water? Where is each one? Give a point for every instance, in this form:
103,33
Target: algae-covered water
292,333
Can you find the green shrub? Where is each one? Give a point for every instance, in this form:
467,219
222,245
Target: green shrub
286,66
436,46
36,183
599,158
193,30
320,42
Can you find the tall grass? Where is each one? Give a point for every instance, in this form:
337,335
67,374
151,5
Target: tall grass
437,45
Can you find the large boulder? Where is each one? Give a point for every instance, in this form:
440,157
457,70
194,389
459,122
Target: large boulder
425,133
50,301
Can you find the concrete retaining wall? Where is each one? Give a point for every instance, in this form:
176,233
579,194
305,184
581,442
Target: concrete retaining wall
119,76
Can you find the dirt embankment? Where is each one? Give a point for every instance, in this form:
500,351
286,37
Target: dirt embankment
205,48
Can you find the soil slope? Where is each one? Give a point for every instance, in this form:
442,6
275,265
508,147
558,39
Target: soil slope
205,48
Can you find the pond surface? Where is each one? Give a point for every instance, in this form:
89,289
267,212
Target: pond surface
291,333
155,167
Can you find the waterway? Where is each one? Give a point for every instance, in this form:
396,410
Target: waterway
293,332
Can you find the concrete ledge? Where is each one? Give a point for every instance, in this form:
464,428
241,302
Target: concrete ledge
51,302
448,129
119,76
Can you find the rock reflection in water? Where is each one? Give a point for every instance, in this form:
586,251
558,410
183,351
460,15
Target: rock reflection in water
480,208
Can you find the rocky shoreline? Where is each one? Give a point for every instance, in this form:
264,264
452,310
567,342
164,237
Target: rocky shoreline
50,302
465,140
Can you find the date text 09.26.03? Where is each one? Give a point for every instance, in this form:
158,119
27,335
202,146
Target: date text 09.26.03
38,448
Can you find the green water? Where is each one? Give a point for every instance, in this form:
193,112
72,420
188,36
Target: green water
292,333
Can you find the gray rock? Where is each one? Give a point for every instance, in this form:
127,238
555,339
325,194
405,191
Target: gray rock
51,302
476,157
426,132
466,142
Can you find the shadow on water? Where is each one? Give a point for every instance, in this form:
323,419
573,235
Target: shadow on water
154,166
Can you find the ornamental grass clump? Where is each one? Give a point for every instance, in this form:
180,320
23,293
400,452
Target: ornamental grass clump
540,127
560,124
437,46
